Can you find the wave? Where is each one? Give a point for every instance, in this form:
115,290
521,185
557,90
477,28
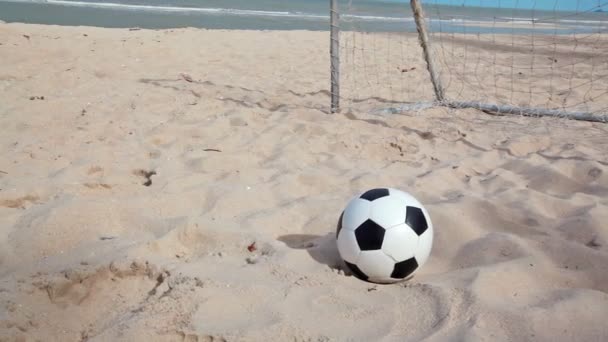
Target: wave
217,11
552,20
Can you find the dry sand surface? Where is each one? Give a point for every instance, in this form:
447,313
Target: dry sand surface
136,167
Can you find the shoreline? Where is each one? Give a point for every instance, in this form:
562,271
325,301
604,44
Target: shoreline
503,30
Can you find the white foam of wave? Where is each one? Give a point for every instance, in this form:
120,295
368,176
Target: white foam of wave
374,18
571,23
553,20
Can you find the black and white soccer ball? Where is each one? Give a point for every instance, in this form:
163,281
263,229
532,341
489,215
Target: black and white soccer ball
384,235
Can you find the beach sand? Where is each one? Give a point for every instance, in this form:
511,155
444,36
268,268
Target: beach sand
185,185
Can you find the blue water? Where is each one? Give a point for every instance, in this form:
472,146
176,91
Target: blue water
361,15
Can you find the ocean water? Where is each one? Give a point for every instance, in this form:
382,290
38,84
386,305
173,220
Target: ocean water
360,15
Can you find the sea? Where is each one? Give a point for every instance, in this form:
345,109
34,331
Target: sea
359,15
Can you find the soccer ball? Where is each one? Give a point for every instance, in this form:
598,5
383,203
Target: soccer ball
384,235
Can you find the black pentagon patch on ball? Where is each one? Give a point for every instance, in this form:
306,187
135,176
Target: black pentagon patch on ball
356,271
369,236
414,218
374,194
339,226
404,268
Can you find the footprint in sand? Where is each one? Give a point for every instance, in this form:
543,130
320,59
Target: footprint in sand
77,287
194,337
20,202
364,312
97,185
490,249
94,170
98,172
99,302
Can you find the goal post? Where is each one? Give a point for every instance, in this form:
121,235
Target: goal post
425,44
335,55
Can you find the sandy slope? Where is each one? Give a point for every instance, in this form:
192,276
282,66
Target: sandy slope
128,197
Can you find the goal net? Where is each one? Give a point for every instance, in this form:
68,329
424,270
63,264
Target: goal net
509,55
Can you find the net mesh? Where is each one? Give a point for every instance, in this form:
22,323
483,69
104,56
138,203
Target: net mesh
523,55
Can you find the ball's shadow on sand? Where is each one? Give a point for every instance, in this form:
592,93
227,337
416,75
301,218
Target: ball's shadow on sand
322,248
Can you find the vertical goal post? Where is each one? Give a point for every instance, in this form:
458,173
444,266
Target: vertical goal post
335,56
425,43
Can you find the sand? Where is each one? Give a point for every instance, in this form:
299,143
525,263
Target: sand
184,185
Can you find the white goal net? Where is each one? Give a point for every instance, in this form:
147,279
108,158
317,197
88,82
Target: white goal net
537,55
